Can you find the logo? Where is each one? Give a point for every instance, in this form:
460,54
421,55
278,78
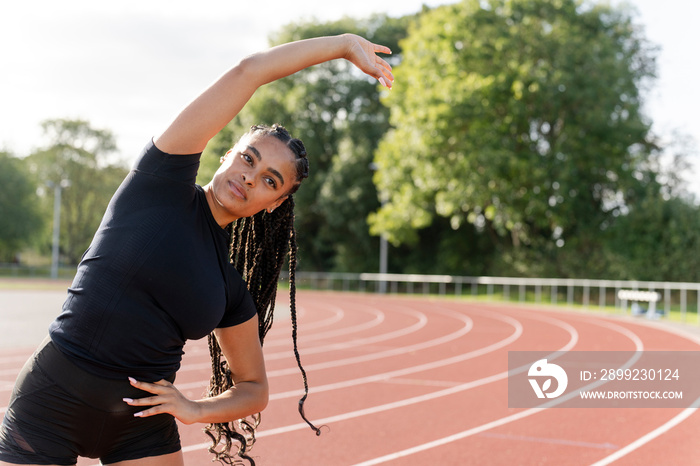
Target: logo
544,369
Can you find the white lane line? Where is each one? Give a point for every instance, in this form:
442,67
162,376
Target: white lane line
518,329
473,431
467,326
11,372
551,441
508,419
643,440
379,318
460,332
282,313
671,423
19,358
421,321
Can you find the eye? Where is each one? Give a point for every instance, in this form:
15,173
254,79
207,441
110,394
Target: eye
247,158
271,182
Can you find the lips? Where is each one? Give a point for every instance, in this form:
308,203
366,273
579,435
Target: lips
237,190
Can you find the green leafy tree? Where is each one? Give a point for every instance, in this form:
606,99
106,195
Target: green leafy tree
337,113
21,220
77,156
522,119
657,240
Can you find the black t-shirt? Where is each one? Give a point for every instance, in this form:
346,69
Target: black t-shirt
155,275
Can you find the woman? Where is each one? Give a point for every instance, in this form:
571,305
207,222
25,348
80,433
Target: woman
158,273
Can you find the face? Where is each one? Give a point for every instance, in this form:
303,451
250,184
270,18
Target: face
255,175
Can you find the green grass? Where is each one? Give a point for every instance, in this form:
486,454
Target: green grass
33,283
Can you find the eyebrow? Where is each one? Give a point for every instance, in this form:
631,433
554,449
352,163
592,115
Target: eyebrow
254,151
271,170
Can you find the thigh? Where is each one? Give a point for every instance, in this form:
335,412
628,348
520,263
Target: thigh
104,425
172,459
36,426
128,438
2,463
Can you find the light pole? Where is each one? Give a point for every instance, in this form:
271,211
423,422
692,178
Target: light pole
383,244
57,188
383,258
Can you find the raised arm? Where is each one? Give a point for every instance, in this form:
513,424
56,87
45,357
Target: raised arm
212,110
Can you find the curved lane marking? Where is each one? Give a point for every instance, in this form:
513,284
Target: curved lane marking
422,320
639,346
518,330
379,318
468,324
278,335
643,440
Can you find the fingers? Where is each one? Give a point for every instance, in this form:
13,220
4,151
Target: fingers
155,387
386,77
385,70
363,54
381,49
382,67
155,407
164,395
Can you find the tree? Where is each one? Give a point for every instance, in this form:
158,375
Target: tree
337,113
657,240
77,155
20,221
521,118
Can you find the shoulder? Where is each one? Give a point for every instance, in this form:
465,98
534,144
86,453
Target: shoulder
181,168
240,305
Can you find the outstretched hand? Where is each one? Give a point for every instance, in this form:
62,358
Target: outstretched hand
363,54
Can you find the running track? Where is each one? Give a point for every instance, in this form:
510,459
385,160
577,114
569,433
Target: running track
413,381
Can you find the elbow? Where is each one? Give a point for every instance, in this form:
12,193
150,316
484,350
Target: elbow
248,70
255,70
263,397
258,396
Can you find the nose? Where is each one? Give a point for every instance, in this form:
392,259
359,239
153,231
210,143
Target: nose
249,179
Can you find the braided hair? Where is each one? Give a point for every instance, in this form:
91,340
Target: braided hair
259,246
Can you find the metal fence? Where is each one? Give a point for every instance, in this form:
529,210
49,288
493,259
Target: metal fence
42,271
676,298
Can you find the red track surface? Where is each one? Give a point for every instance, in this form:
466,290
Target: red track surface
407,381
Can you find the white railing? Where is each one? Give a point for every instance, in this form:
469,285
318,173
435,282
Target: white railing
677,296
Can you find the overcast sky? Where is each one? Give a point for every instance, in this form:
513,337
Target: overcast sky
129,66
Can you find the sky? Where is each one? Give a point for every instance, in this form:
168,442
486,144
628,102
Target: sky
129,66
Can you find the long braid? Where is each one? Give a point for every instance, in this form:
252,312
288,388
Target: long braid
293,312
259,247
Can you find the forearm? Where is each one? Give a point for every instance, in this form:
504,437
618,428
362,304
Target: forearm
286,59
221,102
240,345
243,400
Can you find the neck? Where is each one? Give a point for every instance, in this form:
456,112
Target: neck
217,210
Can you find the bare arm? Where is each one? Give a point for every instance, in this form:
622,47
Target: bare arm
241,347
204,117
242,350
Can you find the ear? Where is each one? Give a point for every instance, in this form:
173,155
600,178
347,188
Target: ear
276,204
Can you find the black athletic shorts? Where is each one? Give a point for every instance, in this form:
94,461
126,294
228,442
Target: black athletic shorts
59,411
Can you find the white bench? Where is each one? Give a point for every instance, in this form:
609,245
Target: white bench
651,297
